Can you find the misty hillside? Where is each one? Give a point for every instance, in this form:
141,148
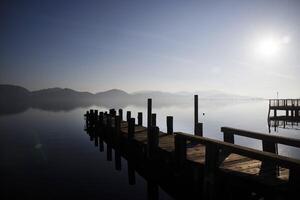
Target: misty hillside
17,93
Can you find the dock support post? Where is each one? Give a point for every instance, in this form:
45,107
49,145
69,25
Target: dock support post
149,114
121,114
101,119
128,116
117,130
199,129
131,128
112,112
169,125
270,167
140,118
210,172
153,141
153,119
180,150
195,113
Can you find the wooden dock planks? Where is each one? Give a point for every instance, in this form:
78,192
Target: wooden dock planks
233,165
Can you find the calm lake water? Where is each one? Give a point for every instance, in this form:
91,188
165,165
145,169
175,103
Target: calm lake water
47,154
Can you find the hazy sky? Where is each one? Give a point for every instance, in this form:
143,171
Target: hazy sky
244,47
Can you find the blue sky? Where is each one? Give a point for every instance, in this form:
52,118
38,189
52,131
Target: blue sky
151,45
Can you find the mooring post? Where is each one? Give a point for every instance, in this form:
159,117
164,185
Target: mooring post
121,114
195,113
180,150
117,130
169,125
91,118
210,171
101,119
199,129
153,141
153,119
128,116
149,114
112,112
140,118
131,128
268,166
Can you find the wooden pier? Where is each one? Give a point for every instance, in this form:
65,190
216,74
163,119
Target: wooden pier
290,106
192,166
290,118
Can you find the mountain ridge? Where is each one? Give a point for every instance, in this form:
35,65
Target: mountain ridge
13,91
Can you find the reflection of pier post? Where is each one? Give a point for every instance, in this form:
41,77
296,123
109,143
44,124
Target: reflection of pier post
131,172
101,144
109,152
152,190
118,161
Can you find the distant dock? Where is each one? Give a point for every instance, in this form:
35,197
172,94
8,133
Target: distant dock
290,119
192,166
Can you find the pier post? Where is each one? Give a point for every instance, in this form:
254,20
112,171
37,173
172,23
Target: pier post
153,141
140,119
117,130
131,128
180,150
199,129
195,113
210,171
149,114
121,114
169,125
128,115
112,112
270,167
101,119
153,119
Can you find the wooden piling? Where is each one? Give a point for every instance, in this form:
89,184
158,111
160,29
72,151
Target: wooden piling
180,150
153,119
153,141
121,114
210,171
149,113
128,115
169,125
195,113
131,128
117,130
199,129
140,118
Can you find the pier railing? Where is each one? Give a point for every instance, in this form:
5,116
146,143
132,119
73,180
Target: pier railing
284,103
214,154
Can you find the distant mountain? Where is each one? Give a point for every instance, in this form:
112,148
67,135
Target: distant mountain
13,92
60,94
15,99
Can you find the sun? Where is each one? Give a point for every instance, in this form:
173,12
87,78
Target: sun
270,46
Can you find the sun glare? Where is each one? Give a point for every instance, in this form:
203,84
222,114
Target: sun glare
270,46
